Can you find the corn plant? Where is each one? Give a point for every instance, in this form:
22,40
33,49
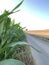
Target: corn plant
9,33
10,36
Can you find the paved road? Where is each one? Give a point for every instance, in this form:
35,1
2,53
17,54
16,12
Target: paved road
43,46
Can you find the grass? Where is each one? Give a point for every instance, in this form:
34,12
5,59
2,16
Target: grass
25,55
45,38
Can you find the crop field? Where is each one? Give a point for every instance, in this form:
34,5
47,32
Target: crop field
39,32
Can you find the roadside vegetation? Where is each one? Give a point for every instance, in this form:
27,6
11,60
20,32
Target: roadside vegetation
45,38
13,47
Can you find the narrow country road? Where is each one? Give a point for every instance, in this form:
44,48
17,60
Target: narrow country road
41,45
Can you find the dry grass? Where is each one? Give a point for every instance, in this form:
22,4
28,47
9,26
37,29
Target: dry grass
39,32
25,56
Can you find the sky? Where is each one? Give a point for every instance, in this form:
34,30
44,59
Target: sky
33,14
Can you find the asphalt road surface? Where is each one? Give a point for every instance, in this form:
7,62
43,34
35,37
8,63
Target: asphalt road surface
43,46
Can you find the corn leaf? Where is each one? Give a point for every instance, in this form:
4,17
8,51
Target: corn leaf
8,13
1,27
17,5
11,62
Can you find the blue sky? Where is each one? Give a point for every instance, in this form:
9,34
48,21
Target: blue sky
34,14
38,7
